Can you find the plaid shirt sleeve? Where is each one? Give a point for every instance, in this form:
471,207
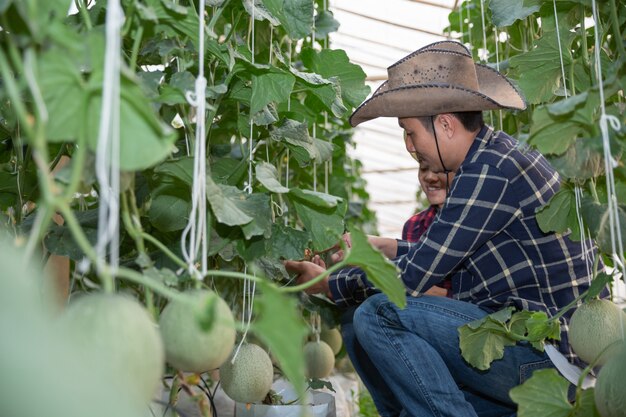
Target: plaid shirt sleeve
480,205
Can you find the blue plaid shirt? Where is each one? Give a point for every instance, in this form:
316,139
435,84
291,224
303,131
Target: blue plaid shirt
487,240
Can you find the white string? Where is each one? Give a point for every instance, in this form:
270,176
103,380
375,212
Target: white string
609,162
558,39
249,286
461,22
469,30
327,164
316,325
194,235
108,149
482,16
497,39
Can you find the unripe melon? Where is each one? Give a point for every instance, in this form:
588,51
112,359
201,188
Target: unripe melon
610,390
118,331
319,358
593,327
188,347
333,338
250,377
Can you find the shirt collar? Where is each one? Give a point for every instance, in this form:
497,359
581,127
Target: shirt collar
481,140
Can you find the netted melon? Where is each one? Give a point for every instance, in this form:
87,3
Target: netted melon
593,327
610,390
319,358
118,331
333,338
190,348
249,378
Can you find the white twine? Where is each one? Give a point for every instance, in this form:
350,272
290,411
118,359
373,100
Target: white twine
497,39
461,22
108,149
194,235
609,162
316,325
328,164
469,30
558,39
249,286
482,16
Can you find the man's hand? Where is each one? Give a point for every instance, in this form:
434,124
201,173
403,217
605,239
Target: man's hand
307,271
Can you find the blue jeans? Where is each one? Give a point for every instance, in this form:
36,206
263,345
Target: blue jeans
411,363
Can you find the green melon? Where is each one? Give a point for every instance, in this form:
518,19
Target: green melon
250,377
319,358
610,390
117,331
333,338
187,346
593,327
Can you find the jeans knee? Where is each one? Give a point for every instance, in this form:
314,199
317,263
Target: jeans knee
365,322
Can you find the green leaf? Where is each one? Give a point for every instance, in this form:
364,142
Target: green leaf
544,394
288,243
280,326
315,198
169,213
598,284
268,176
325,23
581,161
540,327
506,12
181,169
260,11
539,69
380,271
273,87
550,135
225,207
296,16
568,105
335,63
585,405
324,225
483,341
296,135
559,215
256,206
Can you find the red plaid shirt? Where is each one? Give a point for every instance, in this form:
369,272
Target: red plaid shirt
415,227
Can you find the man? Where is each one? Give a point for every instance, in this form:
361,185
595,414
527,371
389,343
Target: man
485,239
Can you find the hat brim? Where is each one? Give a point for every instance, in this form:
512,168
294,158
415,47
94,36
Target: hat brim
495,92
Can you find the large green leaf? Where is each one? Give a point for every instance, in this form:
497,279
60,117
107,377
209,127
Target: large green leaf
539,69
296,16
325,225
280,326
169,213
260,11
506,12
551,135
545,394
380,271
268,176
559,214
325,23
483,341
288,243
315,198
335,63
181,169
306,148
273,87
581,161
224,207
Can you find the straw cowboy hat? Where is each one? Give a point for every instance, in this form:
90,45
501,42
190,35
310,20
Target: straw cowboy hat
439,78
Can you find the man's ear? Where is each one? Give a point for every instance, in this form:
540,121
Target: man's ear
449,124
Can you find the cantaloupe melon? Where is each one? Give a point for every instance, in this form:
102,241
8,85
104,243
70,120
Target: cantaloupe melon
594,326
118,331
610,390
333,338
188,347
250,377
319,358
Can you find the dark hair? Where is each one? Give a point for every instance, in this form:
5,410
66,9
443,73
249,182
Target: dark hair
471,120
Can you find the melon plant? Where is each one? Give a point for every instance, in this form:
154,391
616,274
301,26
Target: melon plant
118,331
190,348
319,359
593,327
333,338
249,377
610,390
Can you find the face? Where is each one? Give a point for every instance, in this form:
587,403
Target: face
421,142
433,184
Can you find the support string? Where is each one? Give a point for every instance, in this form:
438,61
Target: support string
108,149
194,236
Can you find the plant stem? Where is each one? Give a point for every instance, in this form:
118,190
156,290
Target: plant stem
11,86
583,30
135,50
136,277
164,249
84,12
616,33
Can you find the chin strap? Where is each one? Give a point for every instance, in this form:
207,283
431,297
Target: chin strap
445,170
